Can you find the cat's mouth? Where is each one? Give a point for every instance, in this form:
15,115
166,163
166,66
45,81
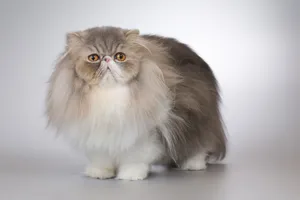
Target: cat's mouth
108,72
103,70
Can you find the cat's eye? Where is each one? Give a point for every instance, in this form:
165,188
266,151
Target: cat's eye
121,57
93,57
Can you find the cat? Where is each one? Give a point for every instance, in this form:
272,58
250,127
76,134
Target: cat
129,101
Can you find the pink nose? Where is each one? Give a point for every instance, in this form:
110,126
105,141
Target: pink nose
106,59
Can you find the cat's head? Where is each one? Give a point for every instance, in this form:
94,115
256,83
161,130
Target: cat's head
105,55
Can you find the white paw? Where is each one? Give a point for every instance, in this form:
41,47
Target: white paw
196,162
100,173
133,172
213,160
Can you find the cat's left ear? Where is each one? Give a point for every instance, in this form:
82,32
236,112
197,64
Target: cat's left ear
131,34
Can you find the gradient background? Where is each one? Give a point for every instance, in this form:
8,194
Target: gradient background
253,48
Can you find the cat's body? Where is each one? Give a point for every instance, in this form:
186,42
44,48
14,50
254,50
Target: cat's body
158,105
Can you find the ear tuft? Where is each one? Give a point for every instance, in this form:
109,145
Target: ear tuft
131,34
74,38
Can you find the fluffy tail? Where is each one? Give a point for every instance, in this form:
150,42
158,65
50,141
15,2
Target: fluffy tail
219,148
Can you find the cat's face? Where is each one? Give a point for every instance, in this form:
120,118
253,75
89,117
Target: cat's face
105,56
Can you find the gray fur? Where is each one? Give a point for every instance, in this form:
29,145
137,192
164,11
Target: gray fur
196,101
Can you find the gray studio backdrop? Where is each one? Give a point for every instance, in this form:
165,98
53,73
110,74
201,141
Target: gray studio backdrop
252,46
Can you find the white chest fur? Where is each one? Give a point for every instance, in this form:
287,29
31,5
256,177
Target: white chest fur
109,104
111,124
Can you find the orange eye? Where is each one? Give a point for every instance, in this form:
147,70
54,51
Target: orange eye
93,57
121,57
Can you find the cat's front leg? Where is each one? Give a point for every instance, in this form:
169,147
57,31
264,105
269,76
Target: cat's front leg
133,171
135,164
101,165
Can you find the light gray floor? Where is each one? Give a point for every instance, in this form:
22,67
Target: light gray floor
251,176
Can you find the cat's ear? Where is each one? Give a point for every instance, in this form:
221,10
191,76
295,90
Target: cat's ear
131,34
74,38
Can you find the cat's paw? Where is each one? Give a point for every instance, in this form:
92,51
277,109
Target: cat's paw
99,173
133,172
197,162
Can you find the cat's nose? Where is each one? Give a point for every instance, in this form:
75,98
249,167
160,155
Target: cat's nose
106,59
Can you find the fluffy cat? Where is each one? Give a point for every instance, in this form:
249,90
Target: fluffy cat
129,101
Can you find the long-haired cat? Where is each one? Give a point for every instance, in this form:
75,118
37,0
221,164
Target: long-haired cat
130,100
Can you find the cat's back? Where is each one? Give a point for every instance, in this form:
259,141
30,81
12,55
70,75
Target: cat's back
181,53
186,61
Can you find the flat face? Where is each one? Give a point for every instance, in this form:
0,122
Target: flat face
104,56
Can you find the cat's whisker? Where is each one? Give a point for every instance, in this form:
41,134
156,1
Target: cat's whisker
120,75
101,71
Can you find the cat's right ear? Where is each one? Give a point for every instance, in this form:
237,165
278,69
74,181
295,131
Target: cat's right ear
74,39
